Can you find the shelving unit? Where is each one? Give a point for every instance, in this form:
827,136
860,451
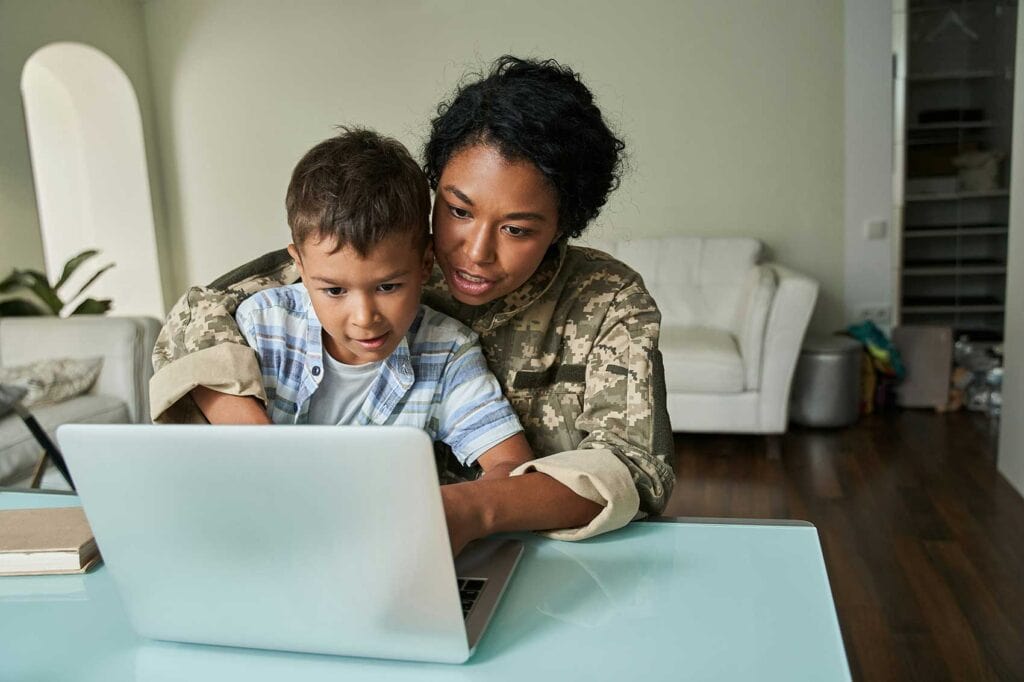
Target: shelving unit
958,99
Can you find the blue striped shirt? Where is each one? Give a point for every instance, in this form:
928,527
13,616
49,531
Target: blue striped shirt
436,379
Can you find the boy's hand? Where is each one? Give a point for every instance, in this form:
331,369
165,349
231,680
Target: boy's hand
464,522
462,509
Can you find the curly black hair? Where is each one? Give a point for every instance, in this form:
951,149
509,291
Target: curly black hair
539,111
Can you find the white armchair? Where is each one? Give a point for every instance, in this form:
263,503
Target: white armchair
731,331
120,394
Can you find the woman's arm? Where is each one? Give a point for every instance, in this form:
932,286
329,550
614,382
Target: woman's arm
201,346
624,402
609,394
622,466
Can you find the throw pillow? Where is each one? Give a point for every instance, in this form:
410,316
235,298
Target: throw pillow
51,381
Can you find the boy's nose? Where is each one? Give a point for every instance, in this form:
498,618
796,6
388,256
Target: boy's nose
364,314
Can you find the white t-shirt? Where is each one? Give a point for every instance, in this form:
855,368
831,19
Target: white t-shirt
343,390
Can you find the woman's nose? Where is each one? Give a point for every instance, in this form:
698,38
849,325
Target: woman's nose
480,245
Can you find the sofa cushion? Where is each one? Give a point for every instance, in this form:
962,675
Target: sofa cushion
701,360
19,451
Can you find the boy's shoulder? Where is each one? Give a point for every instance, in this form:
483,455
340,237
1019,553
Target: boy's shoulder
292,298
437,329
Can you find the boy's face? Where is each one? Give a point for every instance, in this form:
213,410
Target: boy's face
365,305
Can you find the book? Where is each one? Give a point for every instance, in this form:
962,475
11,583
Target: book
54,540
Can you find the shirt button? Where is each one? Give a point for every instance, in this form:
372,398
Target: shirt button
316,371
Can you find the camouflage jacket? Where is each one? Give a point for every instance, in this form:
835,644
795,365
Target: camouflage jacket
575,350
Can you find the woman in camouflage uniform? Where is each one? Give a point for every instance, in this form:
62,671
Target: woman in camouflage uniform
520,160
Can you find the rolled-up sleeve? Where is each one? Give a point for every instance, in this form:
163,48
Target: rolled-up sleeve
201,345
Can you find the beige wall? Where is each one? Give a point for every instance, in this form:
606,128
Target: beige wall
113,26
1011,436
733,111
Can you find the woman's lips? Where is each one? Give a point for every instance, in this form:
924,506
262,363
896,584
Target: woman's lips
374,343
471,284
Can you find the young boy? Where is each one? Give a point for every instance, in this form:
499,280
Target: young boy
351,343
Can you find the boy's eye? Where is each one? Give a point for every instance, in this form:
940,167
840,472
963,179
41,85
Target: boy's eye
458,212
334,291
515,231
389,287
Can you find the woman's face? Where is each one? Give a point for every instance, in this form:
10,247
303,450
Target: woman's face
493,222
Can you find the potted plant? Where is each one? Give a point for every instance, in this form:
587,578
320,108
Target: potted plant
47,299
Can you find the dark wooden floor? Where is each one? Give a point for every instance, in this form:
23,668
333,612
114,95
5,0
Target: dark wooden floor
923,539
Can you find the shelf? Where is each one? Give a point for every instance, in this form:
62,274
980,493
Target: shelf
950,76
921,271
956,4
952,304
918,232
950,309
950,300
970,266
957,196
930,141
949,125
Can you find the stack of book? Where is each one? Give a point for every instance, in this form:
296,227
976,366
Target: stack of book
39,541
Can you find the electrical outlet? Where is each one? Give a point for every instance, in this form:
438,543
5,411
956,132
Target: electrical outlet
879,313
876,229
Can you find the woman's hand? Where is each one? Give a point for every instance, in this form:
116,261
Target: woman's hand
498,503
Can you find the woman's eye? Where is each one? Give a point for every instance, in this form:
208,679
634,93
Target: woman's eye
516,231
458,212
389,287
334,291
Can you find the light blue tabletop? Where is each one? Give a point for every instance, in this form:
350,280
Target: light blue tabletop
655,600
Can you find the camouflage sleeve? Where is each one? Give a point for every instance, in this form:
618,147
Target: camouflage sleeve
200,344
624,408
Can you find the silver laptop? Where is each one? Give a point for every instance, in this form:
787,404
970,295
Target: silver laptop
322,539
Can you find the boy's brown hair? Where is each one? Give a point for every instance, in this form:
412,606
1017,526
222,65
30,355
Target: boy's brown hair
358,188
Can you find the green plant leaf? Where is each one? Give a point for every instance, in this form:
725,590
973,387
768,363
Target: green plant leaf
92,306
19,307
92,279
11,282
35,281
72,265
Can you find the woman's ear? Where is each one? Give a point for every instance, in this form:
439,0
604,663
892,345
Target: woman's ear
428,262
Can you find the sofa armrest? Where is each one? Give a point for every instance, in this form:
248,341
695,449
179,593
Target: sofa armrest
124,343
787,323
751,320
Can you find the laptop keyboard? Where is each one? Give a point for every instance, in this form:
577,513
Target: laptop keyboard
469,591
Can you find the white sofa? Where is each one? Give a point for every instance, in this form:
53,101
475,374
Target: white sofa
732,326
120,394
